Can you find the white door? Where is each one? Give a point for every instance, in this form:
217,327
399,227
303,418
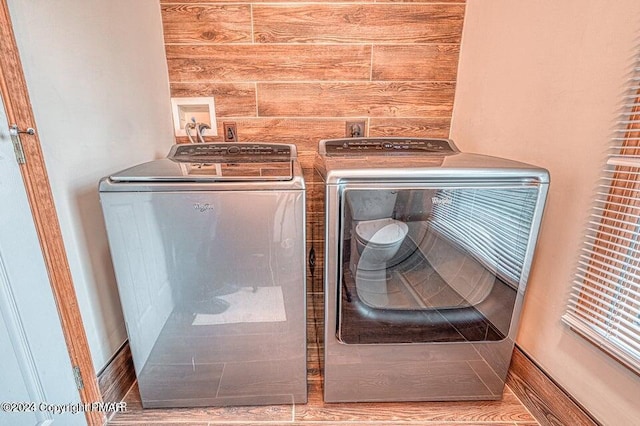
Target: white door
36,378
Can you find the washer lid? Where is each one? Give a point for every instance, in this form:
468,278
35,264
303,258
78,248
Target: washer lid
213,162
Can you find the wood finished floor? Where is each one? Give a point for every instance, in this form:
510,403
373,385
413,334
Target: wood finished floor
508,411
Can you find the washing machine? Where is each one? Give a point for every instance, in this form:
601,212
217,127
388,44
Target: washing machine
426,259
208,248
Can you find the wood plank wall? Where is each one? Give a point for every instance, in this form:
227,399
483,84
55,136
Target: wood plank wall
296,71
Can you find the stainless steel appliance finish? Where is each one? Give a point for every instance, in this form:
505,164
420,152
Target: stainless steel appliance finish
208,247
427,256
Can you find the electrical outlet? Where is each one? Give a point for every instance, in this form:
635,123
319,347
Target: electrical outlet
355,129
230,131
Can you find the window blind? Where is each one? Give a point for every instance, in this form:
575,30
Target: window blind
492,224
604,306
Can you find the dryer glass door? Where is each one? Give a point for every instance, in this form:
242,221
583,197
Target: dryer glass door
433,264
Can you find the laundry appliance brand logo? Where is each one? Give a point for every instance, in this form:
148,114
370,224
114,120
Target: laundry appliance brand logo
202,207
442,201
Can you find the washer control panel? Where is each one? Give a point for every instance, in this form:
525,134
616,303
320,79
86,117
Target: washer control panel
387,146
221,152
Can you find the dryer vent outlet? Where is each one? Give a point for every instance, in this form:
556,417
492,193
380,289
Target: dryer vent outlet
355,129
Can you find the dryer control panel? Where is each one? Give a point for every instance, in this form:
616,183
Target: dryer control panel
386,146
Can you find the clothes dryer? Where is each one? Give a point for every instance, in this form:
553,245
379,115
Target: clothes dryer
427,256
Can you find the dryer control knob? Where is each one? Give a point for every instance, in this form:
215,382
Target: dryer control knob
233,150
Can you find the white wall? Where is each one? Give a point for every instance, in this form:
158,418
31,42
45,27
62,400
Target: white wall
97,77
541,82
